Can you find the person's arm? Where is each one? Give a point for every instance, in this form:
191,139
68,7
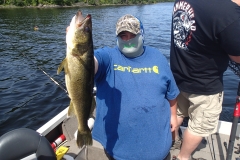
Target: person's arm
236,1
173,105
235,58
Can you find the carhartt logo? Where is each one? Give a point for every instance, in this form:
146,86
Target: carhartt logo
153,69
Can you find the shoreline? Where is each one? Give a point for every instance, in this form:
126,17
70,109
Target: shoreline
81,4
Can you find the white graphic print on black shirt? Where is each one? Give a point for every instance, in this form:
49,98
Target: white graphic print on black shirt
183,24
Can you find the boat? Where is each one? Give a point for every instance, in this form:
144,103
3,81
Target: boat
60,130
213,147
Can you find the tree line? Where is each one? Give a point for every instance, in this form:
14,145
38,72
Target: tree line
23,3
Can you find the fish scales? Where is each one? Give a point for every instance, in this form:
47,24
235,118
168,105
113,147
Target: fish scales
79,74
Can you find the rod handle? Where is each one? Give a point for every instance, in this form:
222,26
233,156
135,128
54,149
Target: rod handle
238,91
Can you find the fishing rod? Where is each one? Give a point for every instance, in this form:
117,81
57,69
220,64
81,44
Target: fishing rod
51,78
235,67
236,115
58,84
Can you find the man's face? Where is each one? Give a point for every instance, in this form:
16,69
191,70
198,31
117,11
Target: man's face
125,35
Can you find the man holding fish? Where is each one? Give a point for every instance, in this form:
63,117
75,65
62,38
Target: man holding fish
136,97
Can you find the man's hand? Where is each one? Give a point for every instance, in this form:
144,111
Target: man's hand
67,29
95,60
173,105
173,122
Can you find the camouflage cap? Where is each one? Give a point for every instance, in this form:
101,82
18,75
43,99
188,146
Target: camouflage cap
128,23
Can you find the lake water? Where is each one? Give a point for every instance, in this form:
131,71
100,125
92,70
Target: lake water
28,97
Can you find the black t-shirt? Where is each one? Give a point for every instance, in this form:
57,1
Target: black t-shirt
204,32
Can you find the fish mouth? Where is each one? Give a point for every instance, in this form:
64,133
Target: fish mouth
88,16
84,20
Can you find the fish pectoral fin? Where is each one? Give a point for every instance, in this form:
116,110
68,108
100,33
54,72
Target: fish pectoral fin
62,65
71,111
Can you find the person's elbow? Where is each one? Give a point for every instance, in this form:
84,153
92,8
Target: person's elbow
235,58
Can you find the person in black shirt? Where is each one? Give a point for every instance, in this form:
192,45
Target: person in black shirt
205,35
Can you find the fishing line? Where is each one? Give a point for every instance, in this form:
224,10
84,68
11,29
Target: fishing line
22,52
86,152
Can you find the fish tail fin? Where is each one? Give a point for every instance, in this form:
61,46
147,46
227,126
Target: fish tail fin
84,138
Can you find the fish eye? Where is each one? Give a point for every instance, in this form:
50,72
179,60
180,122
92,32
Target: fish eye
87,29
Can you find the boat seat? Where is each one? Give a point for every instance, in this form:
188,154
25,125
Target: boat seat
25,144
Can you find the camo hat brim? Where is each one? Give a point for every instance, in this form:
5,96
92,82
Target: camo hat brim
128,23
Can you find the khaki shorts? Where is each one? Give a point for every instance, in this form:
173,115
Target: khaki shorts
203,112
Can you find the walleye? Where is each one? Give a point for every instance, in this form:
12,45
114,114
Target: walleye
79,73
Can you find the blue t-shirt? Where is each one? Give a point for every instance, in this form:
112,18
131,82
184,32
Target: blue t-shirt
133,112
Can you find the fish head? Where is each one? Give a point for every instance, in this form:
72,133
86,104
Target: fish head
79,34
